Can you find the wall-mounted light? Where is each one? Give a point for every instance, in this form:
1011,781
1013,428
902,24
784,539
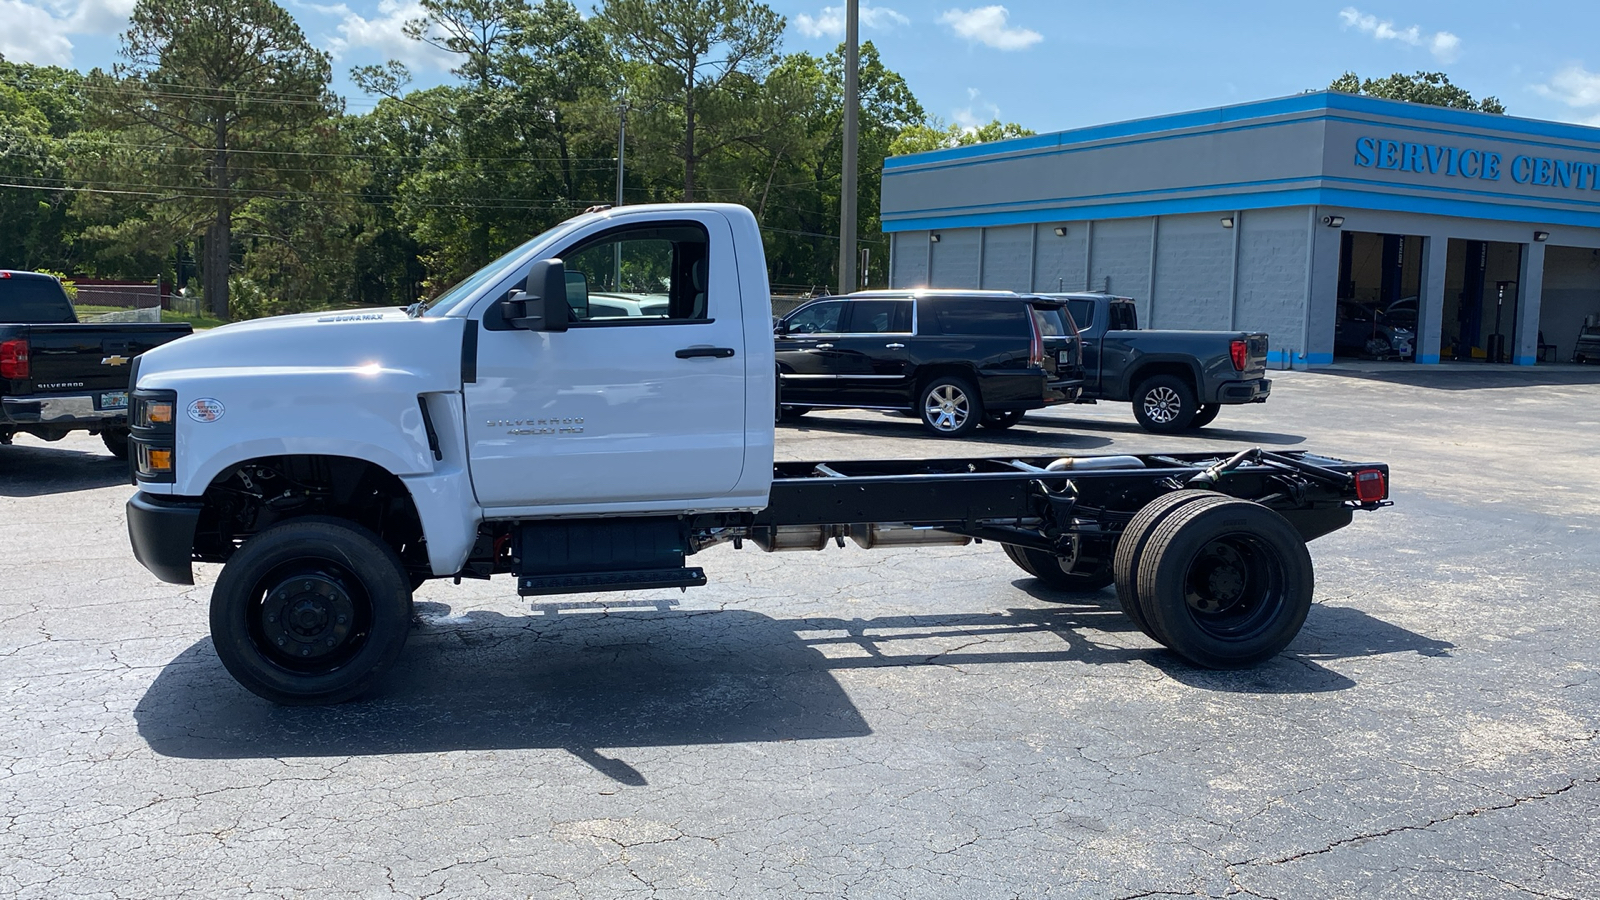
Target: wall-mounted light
933,237
1333,221
1061,231
1227,221
1541,236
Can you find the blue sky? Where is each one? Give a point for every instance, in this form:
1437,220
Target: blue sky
1048,64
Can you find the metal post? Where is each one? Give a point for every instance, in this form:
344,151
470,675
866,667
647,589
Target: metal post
847,181
622,146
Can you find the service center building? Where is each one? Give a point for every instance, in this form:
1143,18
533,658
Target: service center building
1316,218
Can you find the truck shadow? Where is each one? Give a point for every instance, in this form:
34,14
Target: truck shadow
33,471
570,679
1210,432
871,425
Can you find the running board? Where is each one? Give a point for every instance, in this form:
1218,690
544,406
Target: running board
582,582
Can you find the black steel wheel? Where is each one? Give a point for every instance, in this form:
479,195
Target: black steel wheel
116,440
1164,404
1205,415
1226,584
1130,549
950,407
1000,421
1047,568
311,611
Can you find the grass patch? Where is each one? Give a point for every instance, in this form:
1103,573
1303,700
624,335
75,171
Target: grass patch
200,322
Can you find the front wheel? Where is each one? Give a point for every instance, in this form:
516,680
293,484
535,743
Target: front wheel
116,440
1000,421
1164,404
312,611
950,407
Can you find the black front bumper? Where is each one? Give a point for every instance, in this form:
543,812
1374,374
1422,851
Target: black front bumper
162,533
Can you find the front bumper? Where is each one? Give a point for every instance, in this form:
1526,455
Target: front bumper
1254,391
162,533
80,410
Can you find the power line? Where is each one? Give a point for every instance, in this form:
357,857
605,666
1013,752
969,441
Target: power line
178,193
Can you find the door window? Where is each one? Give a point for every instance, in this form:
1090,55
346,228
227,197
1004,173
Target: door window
818,318
1123,317
880,317
635,275
1082,313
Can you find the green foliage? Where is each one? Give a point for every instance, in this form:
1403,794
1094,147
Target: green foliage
40,108
935,135
1432,88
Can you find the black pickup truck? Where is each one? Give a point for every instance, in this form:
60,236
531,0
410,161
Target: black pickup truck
1176,380
58,375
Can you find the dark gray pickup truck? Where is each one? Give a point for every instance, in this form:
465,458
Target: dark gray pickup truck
58,375
1175,380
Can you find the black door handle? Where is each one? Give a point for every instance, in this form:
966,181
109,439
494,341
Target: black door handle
713,352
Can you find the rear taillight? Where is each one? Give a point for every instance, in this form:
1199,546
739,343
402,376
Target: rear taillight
1036,344
14,359
1371,486
1240,351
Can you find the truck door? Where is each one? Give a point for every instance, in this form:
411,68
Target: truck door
641,399
808,358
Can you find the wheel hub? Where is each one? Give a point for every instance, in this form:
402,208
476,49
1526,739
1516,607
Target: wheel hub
1220,580
1162,404
307,616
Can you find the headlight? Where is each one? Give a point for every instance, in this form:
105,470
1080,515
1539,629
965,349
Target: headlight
152,435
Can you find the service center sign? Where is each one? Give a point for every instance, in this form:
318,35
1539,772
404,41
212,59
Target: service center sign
1482,165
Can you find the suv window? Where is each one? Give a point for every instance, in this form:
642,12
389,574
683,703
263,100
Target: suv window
972,317
1052,321
818,318
1123,317
634,274
1082,313
31,299
880,317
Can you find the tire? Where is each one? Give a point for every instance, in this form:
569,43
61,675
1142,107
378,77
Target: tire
1130,549
1000,421
1205,415
1164,404
116,440
1047,568
950,407
328,573
1227,584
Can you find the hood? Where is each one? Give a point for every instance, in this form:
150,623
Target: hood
348,339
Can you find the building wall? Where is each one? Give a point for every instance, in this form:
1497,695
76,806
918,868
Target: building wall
1059,260
1571,291
954,259
1006,255
1194,274
1272,278
1119,261
909,265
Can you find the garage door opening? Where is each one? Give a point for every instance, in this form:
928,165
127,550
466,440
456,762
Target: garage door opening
1480,301
1379,279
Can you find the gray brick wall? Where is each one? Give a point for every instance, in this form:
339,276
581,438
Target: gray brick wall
1194,272
1005,257
955,259
1272,275
1058,263
910,263
1122,254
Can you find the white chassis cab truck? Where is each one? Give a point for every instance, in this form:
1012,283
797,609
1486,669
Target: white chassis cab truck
593,408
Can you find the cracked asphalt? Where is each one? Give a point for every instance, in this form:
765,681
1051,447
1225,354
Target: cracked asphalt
905,723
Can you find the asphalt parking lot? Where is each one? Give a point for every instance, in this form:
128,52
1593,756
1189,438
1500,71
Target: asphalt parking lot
913,723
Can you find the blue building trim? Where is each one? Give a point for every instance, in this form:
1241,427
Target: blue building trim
1323,101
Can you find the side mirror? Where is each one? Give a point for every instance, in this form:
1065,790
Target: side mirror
541,305
780,327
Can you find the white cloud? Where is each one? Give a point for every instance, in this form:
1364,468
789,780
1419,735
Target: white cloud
39,32
977,113
987,25
830,21
1445,46
1578,88
385,33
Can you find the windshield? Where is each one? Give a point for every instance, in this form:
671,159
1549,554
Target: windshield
468,286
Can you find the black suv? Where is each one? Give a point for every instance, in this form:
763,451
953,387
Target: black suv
957,359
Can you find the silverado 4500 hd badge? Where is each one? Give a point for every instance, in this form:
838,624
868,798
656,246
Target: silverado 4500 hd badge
555,425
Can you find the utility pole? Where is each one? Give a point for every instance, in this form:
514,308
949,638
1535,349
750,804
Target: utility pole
847,181
622,146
